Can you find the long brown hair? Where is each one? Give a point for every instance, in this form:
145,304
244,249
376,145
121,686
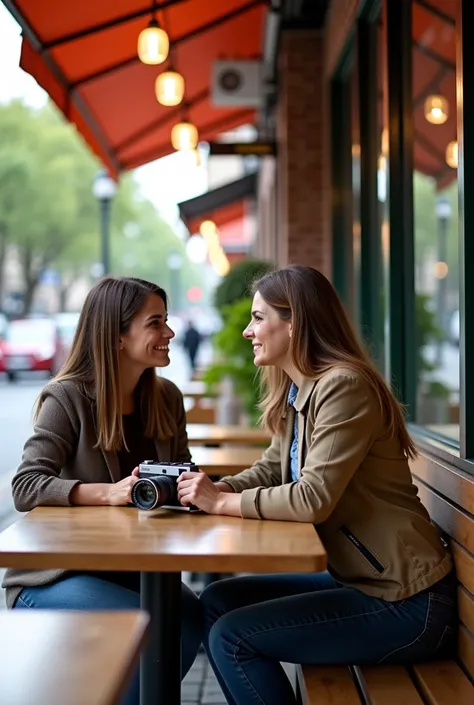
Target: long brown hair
93,360
322,339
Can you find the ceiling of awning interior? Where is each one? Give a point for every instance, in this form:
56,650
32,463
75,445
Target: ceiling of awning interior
85,56
434,72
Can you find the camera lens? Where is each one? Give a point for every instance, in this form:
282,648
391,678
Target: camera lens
150,493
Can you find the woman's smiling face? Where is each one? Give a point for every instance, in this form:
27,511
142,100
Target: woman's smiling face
269,334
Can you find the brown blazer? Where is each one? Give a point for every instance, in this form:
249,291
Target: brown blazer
355,485
60,454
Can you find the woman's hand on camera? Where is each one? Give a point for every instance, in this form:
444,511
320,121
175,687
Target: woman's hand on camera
196,488
120,493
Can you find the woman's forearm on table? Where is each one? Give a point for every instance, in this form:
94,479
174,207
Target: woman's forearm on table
229,504
90,494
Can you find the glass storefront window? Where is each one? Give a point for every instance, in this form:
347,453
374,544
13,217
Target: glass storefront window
436,239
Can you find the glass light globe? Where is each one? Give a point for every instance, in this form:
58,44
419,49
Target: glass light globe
169,88
196,249
452,154
184,136
103,186
153,44
436,109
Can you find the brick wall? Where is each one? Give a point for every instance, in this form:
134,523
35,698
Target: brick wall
303,233
301,181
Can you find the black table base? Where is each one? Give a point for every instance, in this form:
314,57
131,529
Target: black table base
160,664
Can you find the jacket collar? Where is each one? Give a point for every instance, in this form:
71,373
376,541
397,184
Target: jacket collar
304,393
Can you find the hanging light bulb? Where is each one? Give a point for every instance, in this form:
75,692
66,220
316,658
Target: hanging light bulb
169,88
436,109
153,44
452,154
184,136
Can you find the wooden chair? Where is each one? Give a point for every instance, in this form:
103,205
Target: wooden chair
448,494
201,414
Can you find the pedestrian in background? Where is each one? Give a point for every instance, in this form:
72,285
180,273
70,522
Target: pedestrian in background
191,343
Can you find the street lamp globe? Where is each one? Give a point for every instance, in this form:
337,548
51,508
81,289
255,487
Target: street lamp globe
443,208
103,186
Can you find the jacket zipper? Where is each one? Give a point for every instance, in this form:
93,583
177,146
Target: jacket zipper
368,555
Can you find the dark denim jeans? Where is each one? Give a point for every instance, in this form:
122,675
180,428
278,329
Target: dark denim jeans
92,592
253,623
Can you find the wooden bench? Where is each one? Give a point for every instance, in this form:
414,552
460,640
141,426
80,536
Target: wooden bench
72,658
448,494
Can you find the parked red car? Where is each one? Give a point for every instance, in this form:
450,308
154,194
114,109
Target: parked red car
31,345
2,357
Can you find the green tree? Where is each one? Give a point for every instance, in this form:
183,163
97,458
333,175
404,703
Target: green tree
49,215
143,247
237,283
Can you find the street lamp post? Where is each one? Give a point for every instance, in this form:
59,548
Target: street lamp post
443,214
175,262
104,189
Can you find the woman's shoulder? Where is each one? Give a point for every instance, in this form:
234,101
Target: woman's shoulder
342,382
171,391
69,393
343,375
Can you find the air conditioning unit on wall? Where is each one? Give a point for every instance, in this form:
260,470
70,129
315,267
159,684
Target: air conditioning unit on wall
237,83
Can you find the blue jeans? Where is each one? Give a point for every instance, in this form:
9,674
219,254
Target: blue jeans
253,623
92,592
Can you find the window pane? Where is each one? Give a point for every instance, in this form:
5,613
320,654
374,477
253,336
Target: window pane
435,218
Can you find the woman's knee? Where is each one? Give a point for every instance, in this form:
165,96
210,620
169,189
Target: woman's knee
220,597
78,592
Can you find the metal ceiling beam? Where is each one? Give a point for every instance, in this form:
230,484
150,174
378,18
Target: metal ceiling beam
432,54
175,42
161,121
436,12
215,127
433,85
73,36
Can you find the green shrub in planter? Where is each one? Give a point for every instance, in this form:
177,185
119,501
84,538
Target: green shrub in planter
237,282
235,357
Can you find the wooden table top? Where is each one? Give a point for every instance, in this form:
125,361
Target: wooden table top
68,657
225,461
122,538
237,435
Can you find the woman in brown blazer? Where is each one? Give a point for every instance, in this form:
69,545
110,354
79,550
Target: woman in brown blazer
103,414
339,459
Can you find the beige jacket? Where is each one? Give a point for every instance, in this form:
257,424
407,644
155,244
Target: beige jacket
61,453
355,485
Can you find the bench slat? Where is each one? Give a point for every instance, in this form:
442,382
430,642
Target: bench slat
327,685
443,683
466,608
464,563
445,479
466,650
451,519
389,685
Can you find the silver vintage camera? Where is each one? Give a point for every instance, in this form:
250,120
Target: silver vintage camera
157,485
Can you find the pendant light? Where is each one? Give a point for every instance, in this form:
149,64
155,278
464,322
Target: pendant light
436,109
184,136
452,154
169,87
153,42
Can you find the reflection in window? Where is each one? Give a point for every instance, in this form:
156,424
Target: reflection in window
435,217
